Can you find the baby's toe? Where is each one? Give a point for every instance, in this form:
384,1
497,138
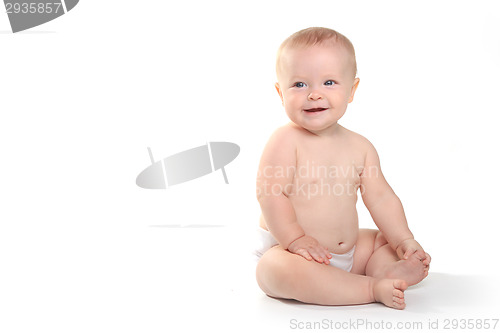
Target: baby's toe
398,294
398,300
400,284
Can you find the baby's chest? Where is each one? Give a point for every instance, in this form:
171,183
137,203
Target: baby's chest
329,166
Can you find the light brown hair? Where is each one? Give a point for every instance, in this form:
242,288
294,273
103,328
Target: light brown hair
313,36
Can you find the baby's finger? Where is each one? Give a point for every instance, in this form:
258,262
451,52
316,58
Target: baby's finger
319,256
427,261
304,253
420,254
328,254
325,255
408,253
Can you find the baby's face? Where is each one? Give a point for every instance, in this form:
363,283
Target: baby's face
315,85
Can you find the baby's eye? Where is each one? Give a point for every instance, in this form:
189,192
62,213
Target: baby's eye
329,83
299,84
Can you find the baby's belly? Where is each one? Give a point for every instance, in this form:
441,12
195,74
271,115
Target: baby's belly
332,222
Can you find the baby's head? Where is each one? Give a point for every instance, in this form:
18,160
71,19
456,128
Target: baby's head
316,69
316,36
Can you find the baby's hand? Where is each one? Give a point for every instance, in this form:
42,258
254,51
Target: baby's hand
309,248
409,246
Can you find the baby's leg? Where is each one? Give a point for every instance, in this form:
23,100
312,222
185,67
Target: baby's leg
369,240
384,263
285,275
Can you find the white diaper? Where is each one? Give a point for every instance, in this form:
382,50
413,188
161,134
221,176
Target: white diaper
266,241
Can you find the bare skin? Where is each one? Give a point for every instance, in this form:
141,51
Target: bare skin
411,270
377,275
309,176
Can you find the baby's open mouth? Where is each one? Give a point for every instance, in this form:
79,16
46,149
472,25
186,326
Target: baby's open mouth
315,110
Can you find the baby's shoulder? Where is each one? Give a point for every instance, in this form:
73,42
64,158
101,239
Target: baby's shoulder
359,141
287,134
281,148
283,142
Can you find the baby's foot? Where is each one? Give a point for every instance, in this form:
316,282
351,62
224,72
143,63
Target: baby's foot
412,270
390,292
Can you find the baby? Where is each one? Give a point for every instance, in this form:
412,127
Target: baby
309,174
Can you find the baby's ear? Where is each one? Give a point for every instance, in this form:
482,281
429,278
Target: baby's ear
353,89
278,89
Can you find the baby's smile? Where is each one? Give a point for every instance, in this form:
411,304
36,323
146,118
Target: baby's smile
312,110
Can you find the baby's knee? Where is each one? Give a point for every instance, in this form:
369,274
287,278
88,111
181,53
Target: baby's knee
271,264
274,272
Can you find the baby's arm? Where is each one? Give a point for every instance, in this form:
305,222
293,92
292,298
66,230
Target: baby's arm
275,179
386,209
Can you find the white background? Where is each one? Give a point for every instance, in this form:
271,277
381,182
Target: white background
82,248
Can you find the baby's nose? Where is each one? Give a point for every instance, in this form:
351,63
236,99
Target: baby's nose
314,96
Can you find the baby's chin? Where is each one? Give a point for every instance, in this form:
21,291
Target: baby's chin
316,122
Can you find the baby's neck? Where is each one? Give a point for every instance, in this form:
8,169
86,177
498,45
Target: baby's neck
330,131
